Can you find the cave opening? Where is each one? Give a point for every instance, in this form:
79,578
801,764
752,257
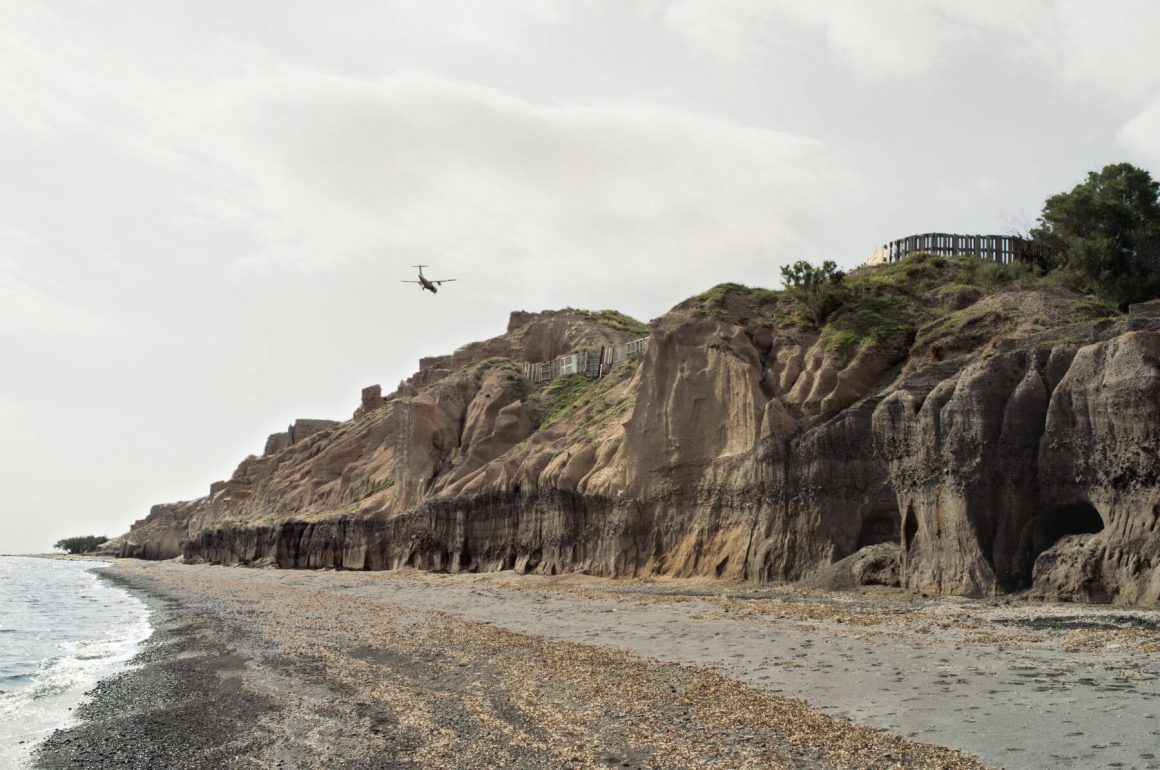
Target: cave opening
909,530
881,526
1054,524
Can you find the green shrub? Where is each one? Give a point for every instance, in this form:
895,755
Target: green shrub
572,392
711,303
502,363
513,374
817,288
82,544
1104,234
563,396
617,321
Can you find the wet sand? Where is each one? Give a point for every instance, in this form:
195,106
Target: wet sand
264,668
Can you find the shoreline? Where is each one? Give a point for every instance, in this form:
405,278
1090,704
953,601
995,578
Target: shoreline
297,669
203,693
148,716
63,630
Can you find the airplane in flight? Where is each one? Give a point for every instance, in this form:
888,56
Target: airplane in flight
428,283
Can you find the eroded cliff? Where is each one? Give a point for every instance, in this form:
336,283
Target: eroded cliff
960,437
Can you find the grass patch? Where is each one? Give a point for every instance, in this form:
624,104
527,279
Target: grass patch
871,315
232,523
497,362
946,324
605,413
373,490
565,395
881,302
513,374
1095,309
789,320
713,303
617,321
956,296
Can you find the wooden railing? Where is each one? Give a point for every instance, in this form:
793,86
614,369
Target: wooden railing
1004,249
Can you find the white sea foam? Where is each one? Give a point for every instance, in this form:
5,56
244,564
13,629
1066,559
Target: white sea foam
61,631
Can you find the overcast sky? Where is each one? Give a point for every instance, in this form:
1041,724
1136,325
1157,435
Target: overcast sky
206,207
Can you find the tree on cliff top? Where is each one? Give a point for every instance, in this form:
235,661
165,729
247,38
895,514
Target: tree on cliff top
818,289
81,544
1105,234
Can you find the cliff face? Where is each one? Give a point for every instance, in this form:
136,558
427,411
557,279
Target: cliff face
1003,444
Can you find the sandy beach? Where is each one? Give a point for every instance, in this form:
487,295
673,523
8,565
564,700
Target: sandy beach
265,668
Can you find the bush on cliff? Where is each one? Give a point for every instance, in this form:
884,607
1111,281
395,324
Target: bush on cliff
886,302
82,544
1105,234
817,288
563,396
617,321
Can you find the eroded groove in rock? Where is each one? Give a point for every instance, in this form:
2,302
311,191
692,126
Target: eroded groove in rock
972,456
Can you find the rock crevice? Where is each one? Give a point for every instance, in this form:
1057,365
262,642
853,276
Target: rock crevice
734,448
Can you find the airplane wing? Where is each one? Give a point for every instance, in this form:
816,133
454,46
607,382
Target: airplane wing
409,281
444,280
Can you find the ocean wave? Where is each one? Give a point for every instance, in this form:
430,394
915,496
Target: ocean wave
104,630
82,663
15,679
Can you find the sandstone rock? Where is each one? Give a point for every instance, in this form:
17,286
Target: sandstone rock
276,442
372,399
299,431
162,533
1024,453
1150,309
873,565
304,429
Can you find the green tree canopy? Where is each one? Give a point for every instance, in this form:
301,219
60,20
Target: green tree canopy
817,288
1105,233
82,544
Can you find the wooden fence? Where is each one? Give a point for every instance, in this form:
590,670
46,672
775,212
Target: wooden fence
1004,249
594,363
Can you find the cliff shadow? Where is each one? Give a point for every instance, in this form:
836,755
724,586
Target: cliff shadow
1049,527
882,525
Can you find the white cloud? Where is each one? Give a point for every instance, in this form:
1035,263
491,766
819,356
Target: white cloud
879,39
1108,48
1088,51
324,168
29,108
28,301
1142,133
13,423
25,308
497,24
317,168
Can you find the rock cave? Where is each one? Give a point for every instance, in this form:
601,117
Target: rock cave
880,526
1052,525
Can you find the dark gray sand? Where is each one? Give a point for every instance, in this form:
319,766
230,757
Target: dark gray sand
204,694
262,668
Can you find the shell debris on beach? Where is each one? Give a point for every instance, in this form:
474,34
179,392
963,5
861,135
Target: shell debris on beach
415,670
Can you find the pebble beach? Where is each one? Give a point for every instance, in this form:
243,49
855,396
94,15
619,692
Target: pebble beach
292,669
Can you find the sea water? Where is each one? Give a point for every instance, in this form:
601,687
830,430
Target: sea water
61,630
